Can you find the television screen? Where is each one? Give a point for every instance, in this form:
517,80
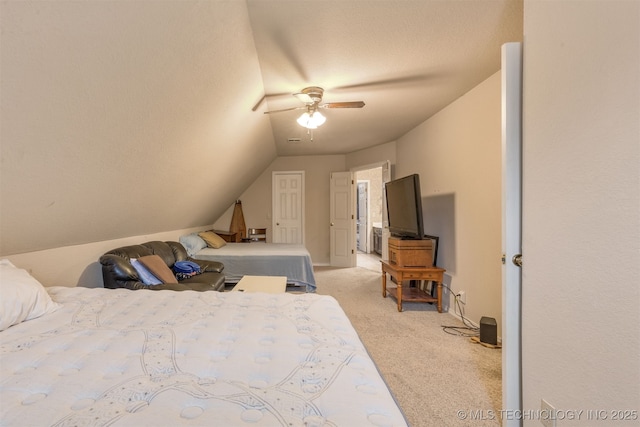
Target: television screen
404,207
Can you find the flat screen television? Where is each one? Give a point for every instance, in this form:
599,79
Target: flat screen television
404,207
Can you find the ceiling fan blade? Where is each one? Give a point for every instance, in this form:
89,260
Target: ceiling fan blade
265,96
351,104
285,109
303,97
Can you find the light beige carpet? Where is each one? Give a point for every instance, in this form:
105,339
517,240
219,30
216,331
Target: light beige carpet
432,374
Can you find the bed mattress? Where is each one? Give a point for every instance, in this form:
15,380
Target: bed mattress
161,358
264,259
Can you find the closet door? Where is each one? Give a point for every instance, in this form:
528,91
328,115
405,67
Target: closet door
288,207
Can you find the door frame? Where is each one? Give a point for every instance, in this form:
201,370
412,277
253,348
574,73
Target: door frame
367,244
511,105
386,176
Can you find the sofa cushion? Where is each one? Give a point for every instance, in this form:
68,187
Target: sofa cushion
145,275
205,281
212,239
158,267
164,251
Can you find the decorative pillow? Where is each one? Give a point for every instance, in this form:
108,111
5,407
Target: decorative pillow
22,297
212,239
192,243
158,268
145,275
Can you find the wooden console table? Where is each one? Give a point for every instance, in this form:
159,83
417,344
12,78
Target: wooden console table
401,274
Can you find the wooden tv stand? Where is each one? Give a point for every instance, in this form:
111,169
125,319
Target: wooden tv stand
401,274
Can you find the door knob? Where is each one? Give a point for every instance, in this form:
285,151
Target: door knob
332,224
517,260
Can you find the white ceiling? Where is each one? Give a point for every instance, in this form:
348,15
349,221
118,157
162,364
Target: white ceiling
405,59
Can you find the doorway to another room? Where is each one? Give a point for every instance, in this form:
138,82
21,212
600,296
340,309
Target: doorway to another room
369,217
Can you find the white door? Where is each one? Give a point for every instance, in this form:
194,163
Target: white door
511,229
342,253
288,207
362,225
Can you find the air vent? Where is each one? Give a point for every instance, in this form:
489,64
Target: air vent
294,140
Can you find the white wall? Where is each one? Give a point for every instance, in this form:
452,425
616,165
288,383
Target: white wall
581,272
257,204
458,156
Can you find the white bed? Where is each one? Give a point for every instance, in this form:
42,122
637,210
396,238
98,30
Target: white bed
263,259
162,358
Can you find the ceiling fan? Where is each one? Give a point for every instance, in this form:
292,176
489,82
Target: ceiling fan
312,98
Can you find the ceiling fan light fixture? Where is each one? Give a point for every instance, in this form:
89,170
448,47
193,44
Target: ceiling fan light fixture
311,120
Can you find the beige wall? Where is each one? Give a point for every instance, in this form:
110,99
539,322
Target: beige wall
373,155
257,204
581,225
114,112
458,156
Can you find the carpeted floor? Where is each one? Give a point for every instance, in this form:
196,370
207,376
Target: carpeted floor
432,374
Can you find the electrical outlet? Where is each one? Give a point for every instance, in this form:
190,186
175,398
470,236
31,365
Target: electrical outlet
548,414
462,296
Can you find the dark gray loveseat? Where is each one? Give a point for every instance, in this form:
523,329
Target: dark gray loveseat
118,272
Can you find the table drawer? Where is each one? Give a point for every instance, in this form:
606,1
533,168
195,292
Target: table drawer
420,276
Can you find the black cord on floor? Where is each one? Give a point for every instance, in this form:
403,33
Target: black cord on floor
468,330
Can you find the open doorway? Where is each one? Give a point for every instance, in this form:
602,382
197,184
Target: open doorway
369,217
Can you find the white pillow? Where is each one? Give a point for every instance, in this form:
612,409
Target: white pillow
22,297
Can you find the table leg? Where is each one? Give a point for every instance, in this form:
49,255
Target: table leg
439,297
384,284
399,289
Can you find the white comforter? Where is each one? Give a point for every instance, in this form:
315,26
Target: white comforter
163,358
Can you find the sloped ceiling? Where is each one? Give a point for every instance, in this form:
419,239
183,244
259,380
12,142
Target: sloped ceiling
127,118
405,59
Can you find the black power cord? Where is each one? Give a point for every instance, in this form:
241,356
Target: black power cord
468,330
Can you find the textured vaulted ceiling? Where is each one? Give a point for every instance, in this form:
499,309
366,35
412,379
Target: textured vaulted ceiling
405,59
126,118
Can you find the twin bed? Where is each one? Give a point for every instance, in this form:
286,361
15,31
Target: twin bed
95,357
256,259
